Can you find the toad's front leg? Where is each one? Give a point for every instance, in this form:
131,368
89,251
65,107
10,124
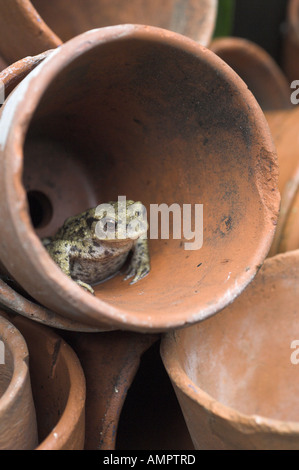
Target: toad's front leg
140,263
60,250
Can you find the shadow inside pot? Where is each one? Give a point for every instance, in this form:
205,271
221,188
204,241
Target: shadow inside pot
151,418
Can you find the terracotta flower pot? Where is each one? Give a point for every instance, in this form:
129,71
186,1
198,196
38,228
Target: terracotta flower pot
291,42
110,362
58,387
235,374
29,28
258,70
18,428
60,146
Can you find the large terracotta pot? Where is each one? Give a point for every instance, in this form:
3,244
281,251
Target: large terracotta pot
168,122
18,427
31,27
235,374
58,387
291,41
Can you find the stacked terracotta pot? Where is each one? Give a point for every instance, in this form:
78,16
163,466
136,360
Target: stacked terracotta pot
139,107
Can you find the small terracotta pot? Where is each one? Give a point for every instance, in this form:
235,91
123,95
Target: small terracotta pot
29,28
291,42
61,146
18,428
58,387
258,70
110,362
234,374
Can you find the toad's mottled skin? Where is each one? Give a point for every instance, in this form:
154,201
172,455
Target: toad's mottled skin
88,257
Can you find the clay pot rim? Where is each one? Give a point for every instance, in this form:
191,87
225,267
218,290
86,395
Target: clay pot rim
250,49
183,382
205,33
18,304
18,70
20,356
75,405
17,114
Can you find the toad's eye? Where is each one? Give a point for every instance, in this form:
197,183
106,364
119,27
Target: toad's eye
110,225
137,213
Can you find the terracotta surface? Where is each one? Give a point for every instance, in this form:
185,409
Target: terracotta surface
233,373
58,387
270,87
291,42
159,86
11,76
288,235
13,301
18,428
29,28
110,362
258,70
284,128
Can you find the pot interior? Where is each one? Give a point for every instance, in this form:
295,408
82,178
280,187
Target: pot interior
242,357
148,120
